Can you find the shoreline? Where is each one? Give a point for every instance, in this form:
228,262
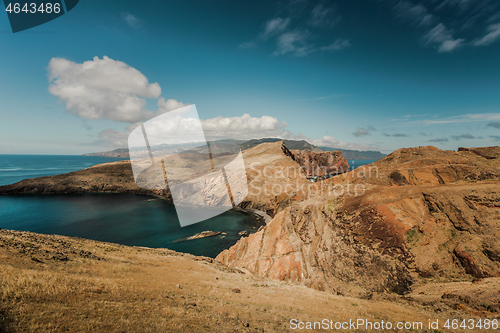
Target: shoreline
258,214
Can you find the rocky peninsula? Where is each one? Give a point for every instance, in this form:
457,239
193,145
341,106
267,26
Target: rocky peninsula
417,226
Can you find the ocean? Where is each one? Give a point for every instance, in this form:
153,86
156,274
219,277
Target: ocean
14,168
353,164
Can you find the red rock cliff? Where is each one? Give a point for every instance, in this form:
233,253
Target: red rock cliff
319,164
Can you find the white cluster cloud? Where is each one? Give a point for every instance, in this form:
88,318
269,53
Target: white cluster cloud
168,105
109,89
331,142
102,88
245,127
105,89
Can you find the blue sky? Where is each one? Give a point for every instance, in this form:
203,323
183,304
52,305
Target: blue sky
349,74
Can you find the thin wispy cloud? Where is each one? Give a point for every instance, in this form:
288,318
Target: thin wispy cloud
324,16
326,97
442,38
464,136
493,34
295,43
473,117
248,45
131,20
338,45
396,135
494,124
440,22
416,14
495,138
438,140
461,4
297,28
331,142
274,26
360,131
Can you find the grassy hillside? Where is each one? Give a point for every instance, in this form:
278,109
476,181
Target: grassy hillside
57,284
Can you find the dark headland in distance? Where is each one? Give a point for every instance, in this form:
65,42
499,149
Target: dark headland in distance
247,144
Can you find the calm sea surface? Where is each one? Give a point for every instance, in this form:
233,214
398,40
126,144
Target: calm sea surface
357,163
14,168
126,219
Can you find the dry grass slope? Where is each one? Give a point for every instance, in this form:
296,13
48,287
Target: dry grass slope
62,284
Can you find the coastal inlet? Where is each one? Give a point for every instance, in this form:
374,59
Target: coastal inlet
126,218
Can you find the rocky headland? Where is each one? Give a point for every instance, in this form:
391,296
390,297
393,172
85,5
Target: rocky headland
420,215
313,163
419,225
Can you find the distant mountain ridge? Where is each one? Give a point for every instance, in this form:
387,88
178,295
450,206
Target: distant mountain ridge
120,152
290,144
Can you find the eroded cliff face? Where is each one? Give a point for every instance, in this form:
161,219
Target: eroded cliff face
305,243
323,163
420,213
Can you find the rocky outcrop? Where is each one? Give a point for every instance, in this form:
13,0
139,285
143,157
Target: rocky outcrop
319,164
200,235
305,243
419,213
489,153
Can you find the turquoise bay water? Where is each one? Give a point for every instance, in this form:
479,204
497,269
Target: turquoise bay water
353,164
126,219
